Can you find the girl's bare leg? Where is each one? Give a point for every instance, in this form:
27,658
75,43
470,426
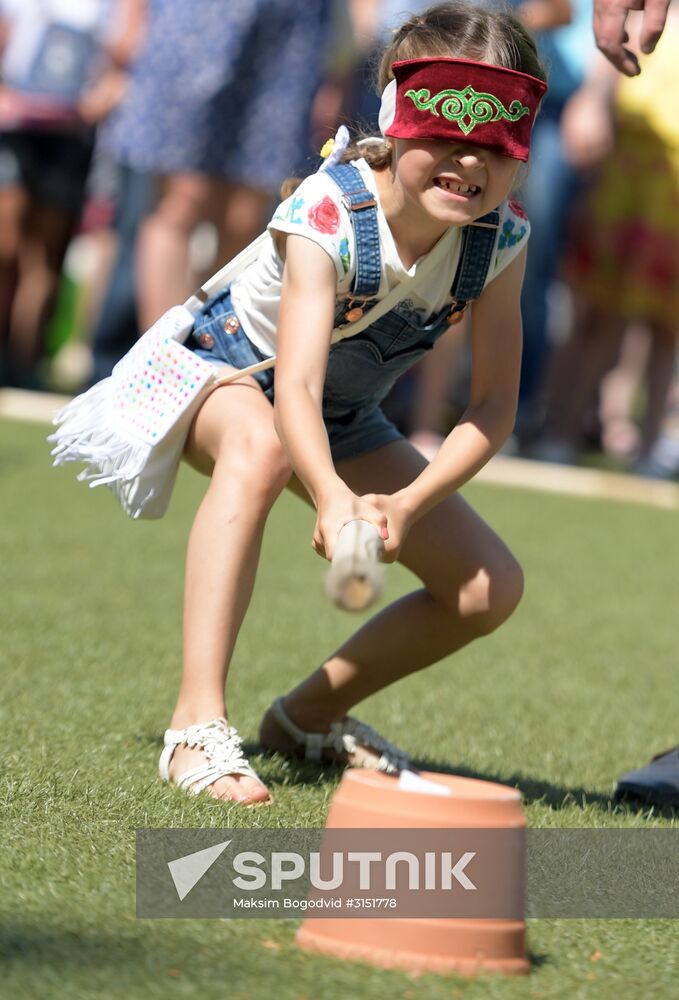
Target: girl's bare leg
471,584
249,470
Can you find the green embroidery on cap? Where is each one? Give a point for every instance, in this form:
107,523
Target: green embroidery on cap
467,108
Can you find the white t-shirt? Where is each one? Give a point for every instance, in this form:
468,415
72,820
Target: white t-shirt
315,211
52,44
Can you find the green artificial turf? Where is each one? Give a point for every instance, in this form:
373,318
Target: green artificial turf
576,688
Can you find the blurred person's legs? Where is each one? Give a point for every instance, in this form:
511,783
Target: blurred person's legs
44,239
576,371
434,379
580,388
659,378
243,220
163,257
13,206
619,390
599,349
43,177
242,77
163,265
547,196
117,328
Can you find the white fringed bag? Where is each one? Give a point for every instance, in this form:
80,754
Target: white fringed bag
130,429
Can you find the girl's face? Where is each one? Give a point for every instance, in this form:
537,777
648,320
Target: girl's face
454,183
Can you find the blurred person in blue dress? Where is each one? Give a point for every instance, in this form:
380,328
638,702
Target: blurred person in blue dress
217,112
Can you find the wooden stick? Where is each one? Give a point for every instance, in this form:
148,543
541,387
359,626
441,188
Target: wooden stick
355,578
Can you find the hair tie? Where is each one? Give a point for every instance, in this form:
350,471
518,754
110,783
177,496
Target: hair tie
333,149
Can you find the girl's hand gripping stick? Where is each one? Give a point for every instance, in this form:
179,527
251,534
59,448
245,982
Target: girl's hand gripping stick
354,580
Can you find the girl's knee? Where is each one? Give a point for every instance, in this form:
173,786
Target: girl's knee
492,596
259,466
503,590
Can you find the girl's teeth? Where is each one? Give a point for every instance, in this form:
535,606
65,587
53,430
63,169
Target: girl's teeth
459,188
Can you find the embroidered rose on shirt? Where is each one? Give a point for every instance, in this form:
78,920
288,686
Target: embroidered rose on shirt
324,216
518,209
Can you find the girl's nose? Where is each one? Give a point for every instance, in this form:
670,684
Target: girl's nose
468,156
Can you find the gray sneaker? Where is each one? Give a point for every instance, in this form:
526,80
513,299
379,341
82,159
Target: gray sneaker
656,784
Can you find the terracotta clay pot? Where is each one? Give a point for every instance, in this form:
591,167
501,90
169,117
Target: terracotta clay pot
368,799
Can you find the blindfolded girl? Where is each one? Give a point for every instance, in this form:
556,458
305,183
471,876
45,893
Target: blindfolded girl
460,89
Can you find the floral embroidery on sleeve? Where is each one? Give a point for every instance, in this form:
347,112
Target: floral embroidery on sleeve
509,237
518,209
295,204
324,216
345,254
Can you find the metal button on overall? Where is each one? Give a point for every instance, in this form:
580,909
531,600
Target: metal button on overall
206,340
232,324
354,314
455,317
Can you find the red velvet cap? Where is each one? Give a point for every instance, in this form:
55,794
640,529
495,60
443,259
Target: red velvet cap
464,101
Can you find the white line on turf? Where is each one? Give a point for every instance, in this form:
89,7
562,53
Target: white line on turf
503,470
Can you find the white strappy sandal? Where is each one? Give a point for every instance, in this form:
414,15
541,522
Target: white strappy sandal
223,749
343,740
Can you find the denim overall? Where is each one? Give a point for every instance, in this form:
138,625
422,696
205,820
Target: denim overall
363,368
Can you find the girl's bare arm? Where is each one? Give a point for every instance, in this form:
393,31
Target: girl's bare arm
489,418
304,331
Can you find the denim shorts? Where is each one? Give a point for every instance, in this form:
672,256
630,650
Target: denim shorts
218,337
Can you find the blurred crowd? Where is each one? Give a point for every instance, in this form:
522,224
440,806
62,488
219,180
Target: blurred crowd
143,143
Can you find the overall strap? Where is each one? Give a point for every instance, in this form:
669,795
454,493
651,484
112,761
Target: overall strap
478,243
360,202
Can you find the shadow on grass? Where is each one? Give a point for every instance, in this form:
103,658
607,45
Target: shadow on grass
537,960
534,790
63,949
